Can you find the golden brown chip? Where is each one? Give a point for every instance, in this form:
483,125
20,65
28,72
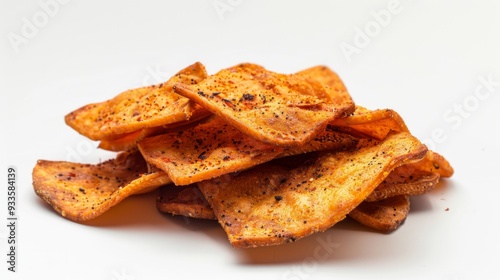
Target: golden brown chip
139,108
186,201
270,205
285,110
335,88
215,148
372,123
205,151
81,192
384,215
405,180
127,141
435,163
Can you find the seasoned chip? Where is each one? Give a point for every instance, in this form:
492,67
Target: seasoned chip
405,180
375,124
285,110
215,148
335,88
270,205
127,141
81,192
205,151
435,163
186,201
139,108
384,215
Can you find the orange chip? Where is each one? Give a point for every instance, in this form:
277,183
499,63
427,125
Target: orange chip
205,151
214,148
405,180
81,192
270,205
375,124
435,163
384,215
285,110
186,201
127,141
139,108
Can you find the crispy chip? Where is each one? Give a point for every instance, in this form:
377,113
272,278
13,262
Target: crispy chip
215,148
205,151
139,108
81,192
435,163
335,88
284,110
186,201
375,124
384,215
405,180
127,141
270,205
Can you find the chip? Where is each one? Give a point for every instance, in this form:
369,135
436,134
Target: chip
279,109
135,109
185,201
383,215
271,205
371,123
127,141
405,180
205,151
81,192
214,148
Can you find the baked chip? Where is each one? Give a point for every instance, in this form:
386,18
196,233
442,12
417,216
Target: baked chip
215,148
127,141
81,192
371,123
405,180
271,205
435,163
135,109
279,109
383,215
186,201
335,88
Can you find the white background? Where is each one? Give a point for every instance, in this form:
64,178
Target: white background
437,63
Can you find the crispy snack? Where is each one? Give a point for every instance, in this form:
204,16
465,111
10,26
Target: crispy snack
284,110
215,148
383,215
270,205
80,192
139,108
405,180
377,124
186,201
371,123
324,76
205,151
127,141
435,163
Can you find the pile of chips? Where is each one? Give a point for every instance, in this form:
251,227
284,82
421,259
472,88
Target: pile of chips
273,157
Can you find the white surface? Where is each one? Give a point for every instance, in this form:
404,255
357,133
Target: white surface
425,62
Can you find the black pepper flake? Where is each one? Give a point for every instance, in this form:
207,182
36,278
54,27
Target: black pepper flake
201,93
203,155
278,197
248,97
226,158
82,190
